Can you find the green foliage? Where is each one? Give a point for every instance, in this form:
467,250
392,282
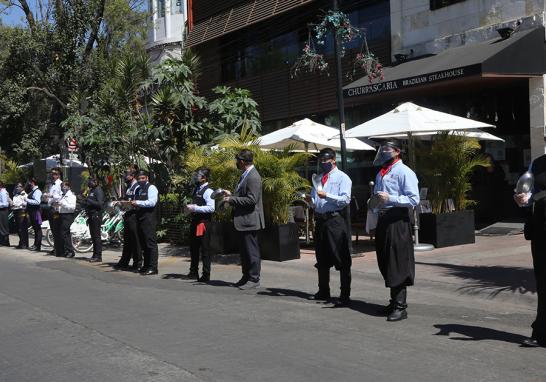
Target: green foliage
447,167
281,182
234,110
11,174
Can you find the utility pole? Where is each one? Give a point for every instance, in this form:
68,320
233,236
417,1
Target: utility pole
340,100
341,110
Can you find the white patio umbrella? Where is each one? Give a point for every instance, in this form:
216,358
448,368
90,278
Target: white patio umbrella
307,135
409,119
54,161
478,134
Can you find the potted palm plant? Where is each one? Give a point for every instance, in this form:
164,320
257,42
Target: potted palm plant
279,241
445,170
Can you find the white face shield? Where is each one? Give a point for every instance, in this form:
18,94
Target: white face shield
384,154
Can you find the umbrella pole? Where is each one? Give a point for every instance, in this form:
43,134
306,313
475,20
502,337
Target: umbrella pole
306,161
418,247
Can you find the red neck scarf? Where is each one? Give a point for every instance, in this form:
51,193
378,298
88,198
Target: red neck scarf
326,176
385,169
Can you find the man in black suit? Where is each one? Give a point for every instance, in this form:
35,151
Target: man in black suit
248,217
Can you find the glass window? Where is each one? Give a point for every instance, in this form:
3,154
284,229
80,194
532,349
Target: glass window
177,7
160,8
436,4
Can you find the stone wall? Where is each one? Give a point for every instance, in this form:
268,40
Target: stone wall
415,27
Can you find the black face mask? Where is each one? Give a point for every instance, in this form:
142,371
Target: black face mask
91,184
65,190
18,190
326,167
142,183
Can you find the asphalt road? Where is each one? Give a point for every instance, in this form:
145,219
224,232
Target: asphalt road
67,320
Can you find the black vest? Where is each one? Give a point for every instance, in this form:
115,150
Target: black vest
199,200
142,194
130,194
32,206
538,212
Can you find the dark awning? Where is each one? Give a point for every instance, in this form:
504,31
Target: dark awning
520,55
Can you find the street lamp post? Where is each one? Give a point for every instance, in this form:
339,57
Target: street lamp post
341,111
340,100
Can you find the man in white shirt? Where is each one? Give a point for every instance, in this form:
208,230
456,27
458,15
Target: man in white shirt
63,212
53,196
4,212
21,220
201,210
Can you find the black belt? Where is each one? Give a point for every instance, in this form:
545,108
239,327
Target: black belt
327,215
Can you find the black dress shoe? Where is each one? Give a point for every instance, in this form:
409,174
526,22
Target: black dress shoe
34,248
21,247
120,267
69,255
321,296
149,272
397,315
343,302
532,342
95,260
136,267
204,279
192,275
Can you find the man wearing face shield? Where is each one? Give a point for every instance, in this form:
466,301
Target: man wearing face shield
535,230
396,193
94,206
201,210
330,200
131,241
248,218
146,199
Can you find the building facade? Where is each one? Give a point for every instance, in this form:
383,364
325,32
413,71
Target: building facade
168,19
482,59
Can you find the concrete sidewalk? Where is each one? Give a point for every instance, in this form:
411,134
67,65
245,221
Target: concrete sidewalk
498,268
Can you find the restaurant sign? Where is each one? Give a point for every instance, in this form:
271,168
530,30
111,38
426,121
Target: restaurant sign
408,82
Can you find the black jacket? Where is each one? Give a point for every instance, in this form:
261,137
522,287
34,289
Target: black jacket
94,201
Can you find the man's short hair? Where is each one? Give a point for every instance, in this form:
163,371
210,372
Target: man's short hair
32,180
132,169
142,173
327,153
246,156
56,169
204,172
66,183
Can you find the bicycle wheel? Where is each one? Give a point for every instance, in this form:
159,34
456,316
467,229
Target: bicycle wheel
81,244
49,238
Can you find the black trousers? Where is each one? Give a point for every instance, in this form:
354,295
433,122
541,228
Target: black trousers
56,224
4,226
538,250
146,223
21,220
332,250
34,219
66,222
131,241
199,247
250,255
394,247
94,221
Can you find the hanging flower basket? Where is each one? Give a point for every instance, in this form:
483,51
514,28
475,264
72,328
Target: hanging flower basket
338,21
310,61
370,64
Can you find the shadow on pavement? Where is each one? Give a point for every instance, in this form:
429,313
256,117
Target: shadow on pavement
178,276
477,333
356,305
494,279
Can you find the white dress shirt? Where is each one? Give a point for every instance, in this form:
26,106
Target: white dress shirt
19,201
67,203
55,192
